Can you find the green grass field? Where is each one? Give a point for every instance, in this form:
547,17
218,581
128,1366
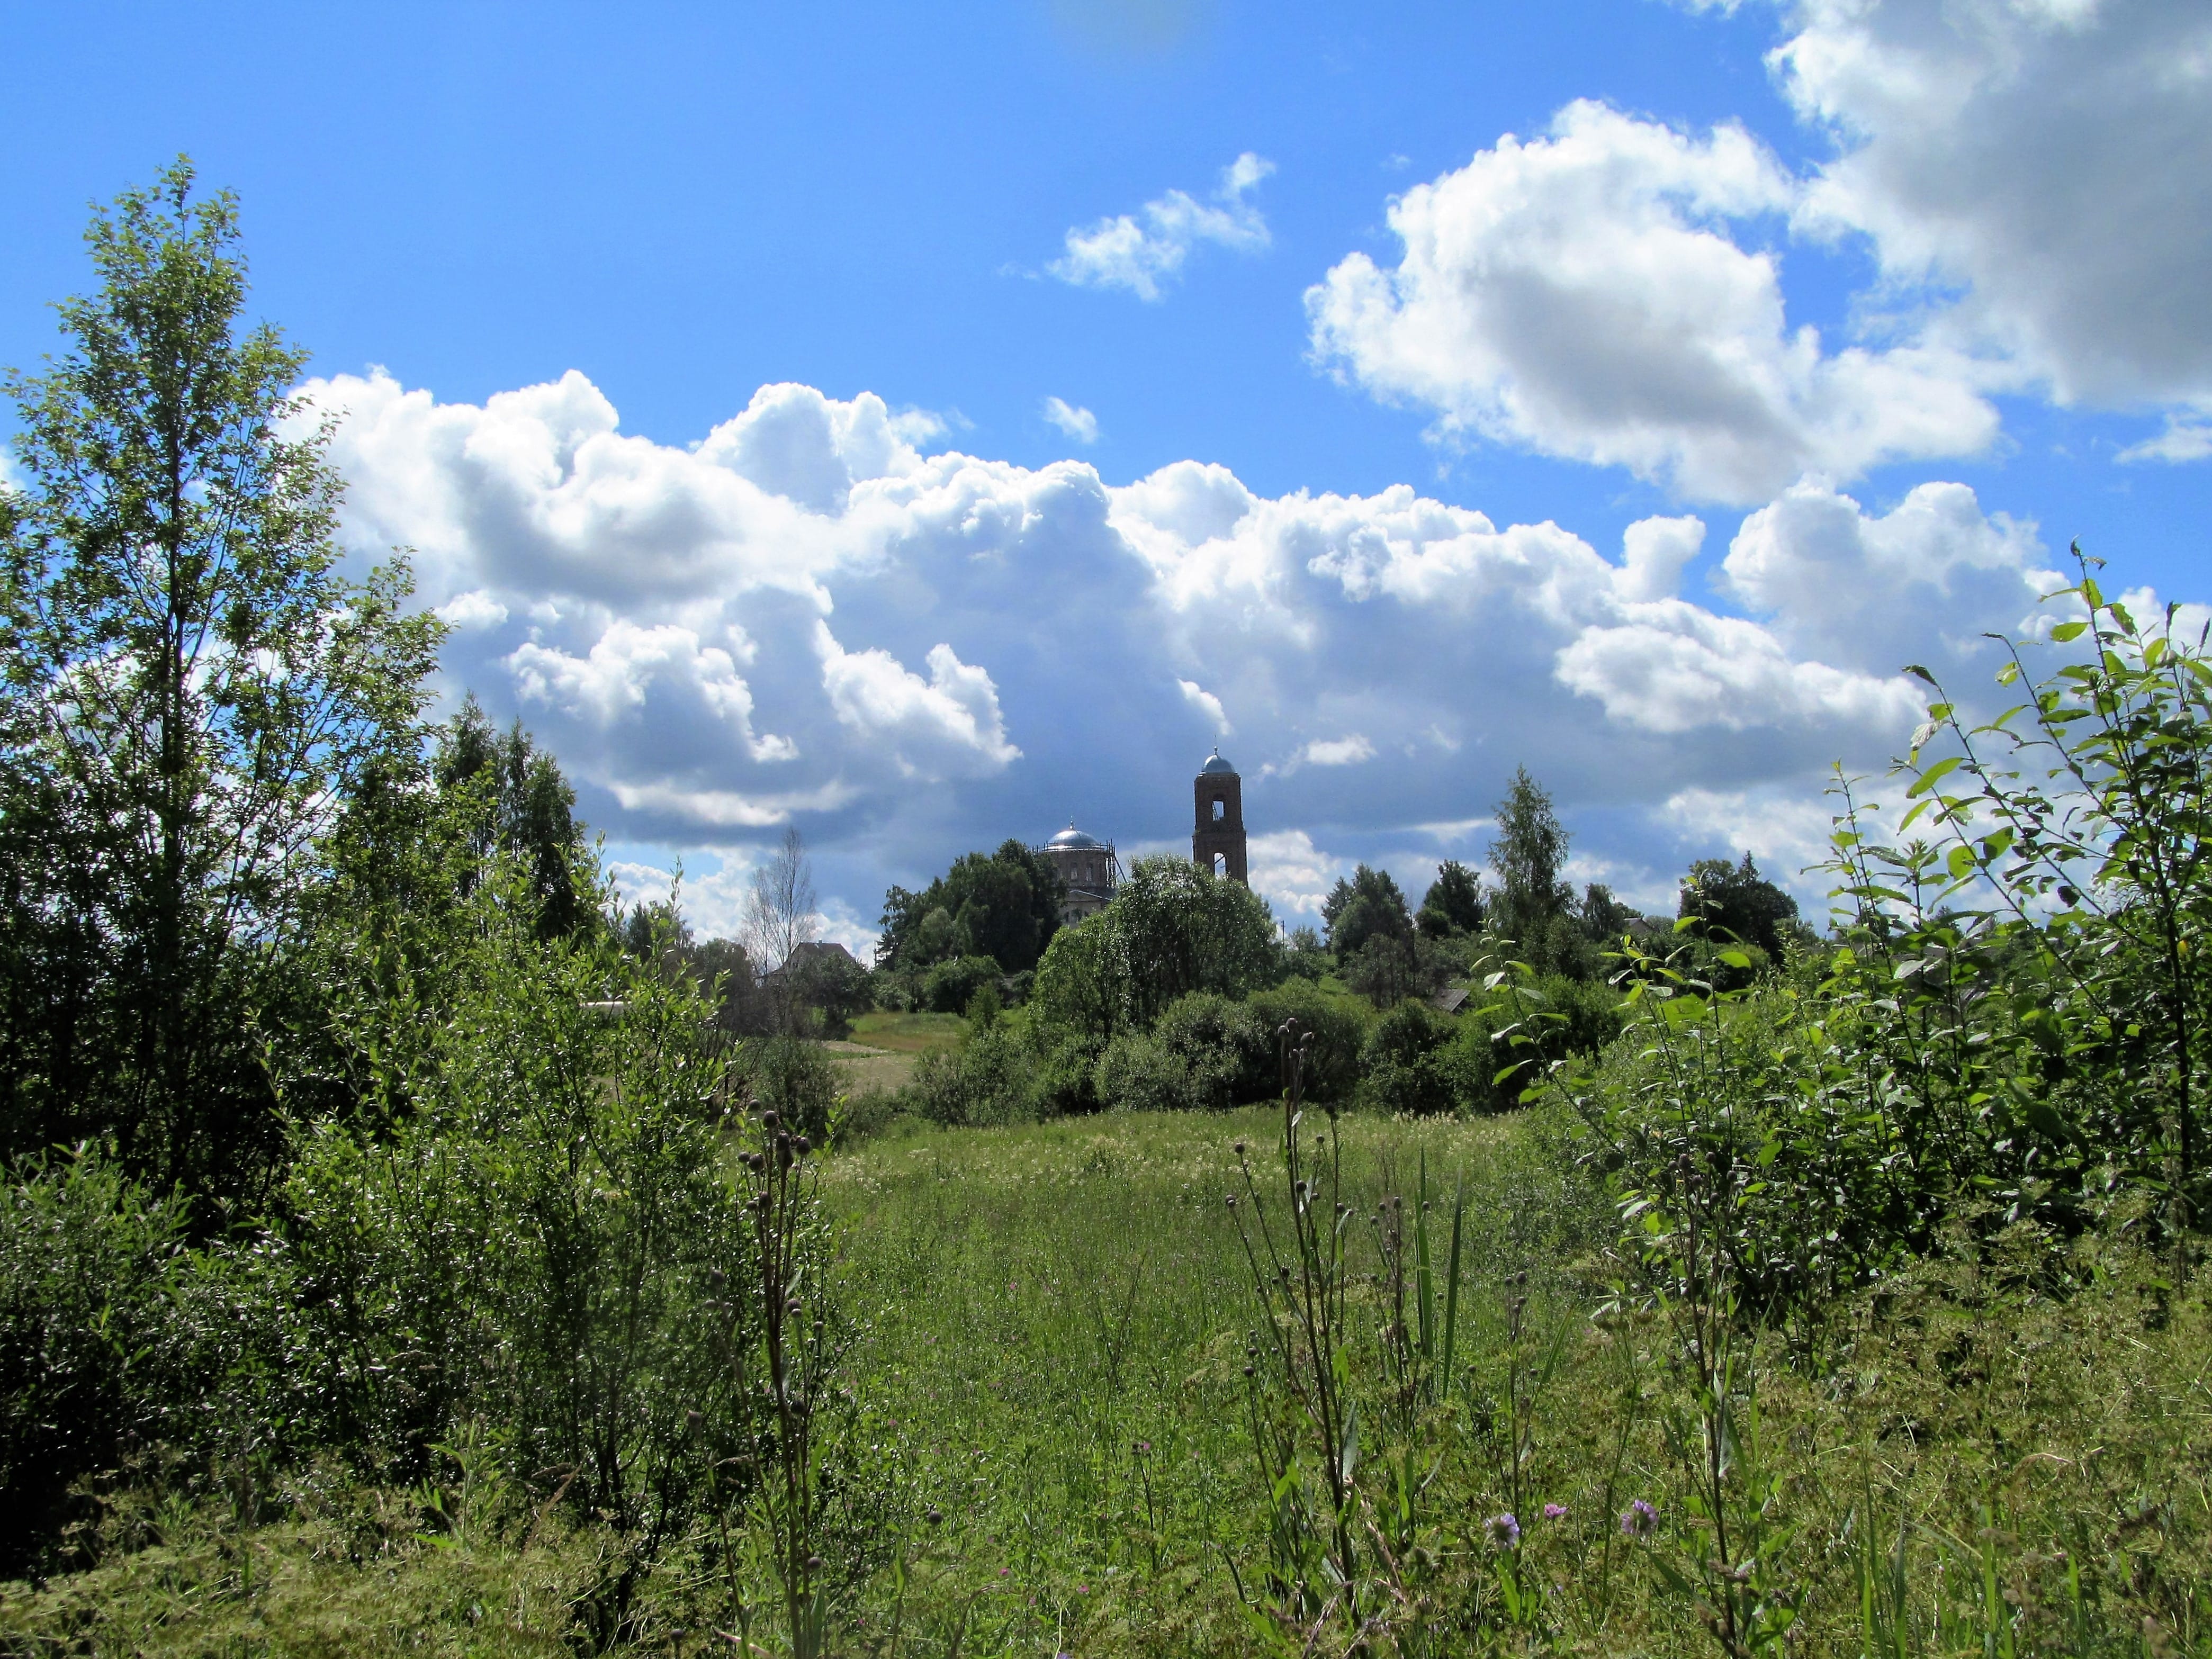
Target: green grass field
907,1034
879,1057
1049,1328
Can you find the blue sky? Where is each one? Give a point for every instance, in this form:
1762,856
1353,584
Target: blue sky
1353,431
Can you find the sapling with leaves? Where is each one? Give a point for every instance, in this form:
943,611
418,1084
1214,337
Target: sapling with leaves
2081,816
195,690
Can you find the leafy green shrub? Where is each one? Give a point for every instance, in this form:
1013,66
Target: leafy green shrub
1337,1025
1064,1073
531,1241
950,986
1540,1023
986,1080
1227,1050
1405,1064
1139,1072
790,1076
89,1265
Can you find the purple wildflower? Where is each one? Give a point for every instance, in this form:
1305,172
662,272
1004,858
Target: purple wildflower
1555,1512
1503,1530
1639,1520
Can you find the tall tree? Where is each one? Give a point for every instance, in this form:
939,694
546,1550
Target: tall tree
1526,856
1171,929
195,690
781,906
528,811
1367,906
1734,901
1003,905
1453,903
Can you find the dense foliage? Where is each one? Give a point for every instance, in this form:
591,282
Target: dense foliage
1003,905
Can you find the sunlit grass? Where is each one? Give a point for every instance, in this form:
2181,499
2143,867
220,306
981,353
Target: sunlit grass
909,1034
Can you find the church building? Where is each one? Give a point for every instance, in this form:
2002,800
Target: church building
1092,869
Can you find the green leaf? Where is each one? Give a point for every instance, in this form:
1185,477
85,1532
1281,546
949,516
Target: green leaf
1935,774
1735,959
2066,631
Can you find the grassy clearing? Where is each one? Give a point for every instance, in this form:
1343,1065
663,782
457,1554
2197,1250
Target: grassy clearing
862,1072
907,1034
1055,1319
1049,1335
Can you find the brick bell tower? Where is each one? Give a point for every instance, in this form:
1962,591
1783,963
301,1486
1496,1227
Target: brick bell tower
1216,839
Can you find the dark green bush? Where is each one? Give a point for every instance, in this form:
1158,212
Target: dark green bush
794,1076
89,1271
1227,1050
1405,1064
1339,1026
947,988
1541,1023
988,1079
528,1245
1139,1072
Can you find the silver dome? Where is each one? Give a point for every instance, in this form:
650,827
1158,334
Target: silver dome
1072,840
1216,766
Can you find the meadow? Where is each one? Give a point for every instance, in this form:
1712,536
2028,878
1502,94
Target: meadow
1047,1447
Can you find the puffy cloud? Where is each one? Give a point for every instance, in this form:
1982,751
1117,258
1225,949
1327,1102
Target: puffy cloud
1588,294
1923,582
471,611
1674,668
2046,165
943,649
1292,874
610,683
1077,422
945,727
1653,553
1121,252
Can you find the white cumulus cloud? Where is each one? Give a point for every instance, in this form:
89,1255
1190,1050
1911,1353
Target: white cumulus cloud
2184,440
1293,875
807,619
2045,165
947,726
1206,704
1592,294
1145,251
